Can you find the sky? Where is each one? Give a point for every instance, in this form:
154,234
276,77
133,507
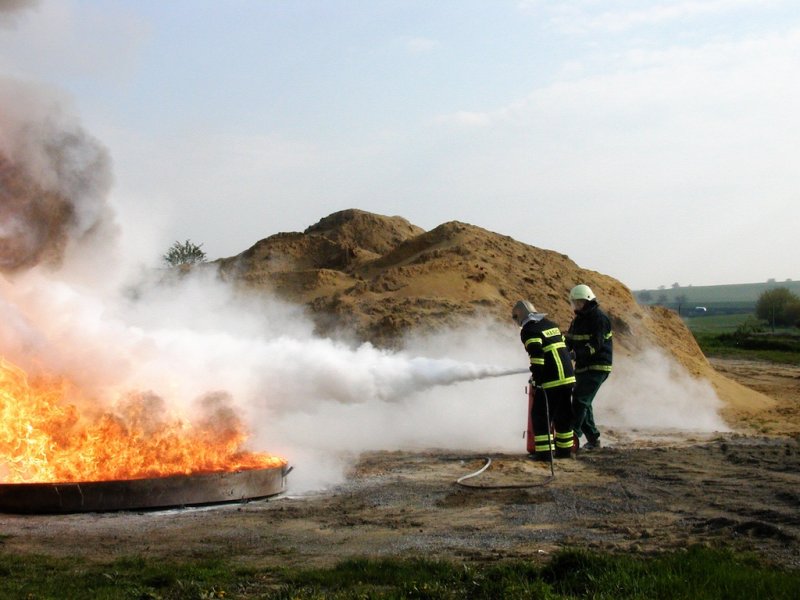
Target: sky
654,141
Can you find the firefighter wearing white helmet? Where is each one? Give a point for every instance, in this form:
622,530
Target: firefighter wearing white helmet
581,292
553,378
589,340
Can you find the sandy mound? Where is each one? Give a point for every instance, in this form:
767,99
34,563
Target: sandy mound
382,277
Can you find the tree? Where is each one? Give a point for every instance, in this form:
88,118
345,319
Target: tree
680,300
778,306
186,253
793,314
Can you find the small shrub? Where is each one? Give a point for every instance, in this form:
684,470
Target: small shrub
186,253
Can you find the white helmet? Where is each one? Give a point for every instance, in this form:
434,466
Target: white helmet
581,292
521,310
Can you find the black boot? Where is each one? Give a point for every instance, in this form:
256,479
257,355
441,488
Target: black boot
591,445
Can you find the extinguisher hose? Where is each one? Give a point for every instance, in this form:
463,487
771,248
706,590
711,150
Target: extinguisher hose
460,480
508,486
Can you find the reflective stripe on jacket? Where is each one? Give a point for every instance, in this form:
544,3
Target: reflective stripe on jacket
550,362
591,339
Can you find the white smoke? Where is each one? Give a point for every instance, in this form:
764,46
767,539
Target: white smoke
181,339
651,392
319,402
482,415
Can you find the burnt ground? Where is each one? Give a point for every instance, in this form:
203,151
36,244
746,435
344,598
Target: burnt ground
646,495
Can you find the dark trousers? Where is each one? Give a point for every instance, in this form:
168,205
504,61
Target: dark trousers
586,385
559,401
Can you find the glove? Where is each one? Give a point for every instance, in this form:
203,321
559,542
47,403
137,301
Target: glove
531,381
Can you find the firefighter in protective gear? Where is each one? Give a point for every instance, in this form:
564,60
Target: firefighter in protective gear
553,378
589,340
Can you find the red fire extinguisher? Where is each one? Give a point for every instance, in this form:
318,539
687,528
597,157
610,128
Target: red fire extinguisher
529,437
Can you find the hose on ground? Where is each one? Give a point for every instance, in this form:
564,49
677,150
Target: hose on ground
508,486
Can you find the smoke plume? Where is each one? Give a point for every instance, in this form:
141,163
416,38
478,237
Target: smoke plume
318,401
10,9
54,181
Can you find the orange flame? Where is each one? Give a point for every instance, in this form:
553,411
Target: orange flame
44,438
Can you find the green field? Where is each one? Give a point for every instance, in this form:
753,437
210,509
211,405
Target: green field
697,573
717,299
716,324
741,335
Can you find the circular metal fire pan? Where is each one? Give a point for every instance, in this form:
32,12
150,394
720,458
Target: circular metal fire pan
142,494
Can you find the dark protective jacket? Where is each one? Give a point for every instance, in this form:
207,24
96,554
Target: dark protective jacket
590,338
550,362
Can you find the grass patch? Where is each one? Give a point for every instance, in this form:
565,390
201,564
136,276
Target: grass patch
698,574
718,346
40,578
742,336
716,324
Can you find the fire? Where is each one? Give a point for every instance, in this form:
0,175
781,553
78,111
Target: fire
45,438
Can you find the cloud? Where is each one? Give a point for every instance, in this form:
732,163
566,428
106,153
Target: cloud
673,135
699,110
470,119
711,101
585,16
676,77
419,45
666,12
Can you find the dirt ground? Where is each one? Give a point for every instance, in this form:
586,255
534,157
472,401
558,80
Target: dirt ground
656,493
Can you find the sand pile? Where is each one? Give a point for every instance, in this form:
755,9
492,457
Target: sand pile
382,277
